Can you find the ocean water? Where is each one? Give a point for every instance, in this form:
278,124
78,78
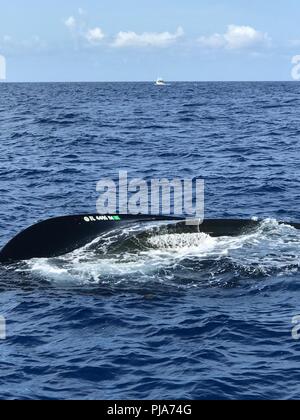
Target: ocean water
173,316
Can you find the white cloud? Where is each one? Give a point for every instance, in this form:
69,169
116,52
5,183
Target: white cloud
94,36
70,22
237,38
83,35
80,30
147,39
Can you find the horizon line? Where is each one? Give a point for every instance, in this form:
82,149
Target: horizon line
4,82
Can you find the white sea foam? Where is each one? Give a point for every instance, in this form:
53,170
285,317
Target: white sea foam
271,247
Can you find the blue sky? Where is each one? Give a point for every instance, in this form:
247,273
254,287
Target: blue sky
116,40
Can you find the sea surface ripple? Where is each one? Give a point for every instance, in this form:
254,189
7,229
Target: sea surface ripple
174,316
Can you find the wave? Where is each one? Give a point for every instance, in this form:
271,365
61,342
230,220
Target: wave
162,254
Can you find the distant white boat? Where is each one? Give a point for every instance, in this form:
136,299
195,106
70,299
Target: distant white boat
160,82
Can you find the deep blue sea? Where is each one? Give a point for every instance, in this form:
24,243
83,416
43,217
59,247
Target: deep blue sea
184,316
